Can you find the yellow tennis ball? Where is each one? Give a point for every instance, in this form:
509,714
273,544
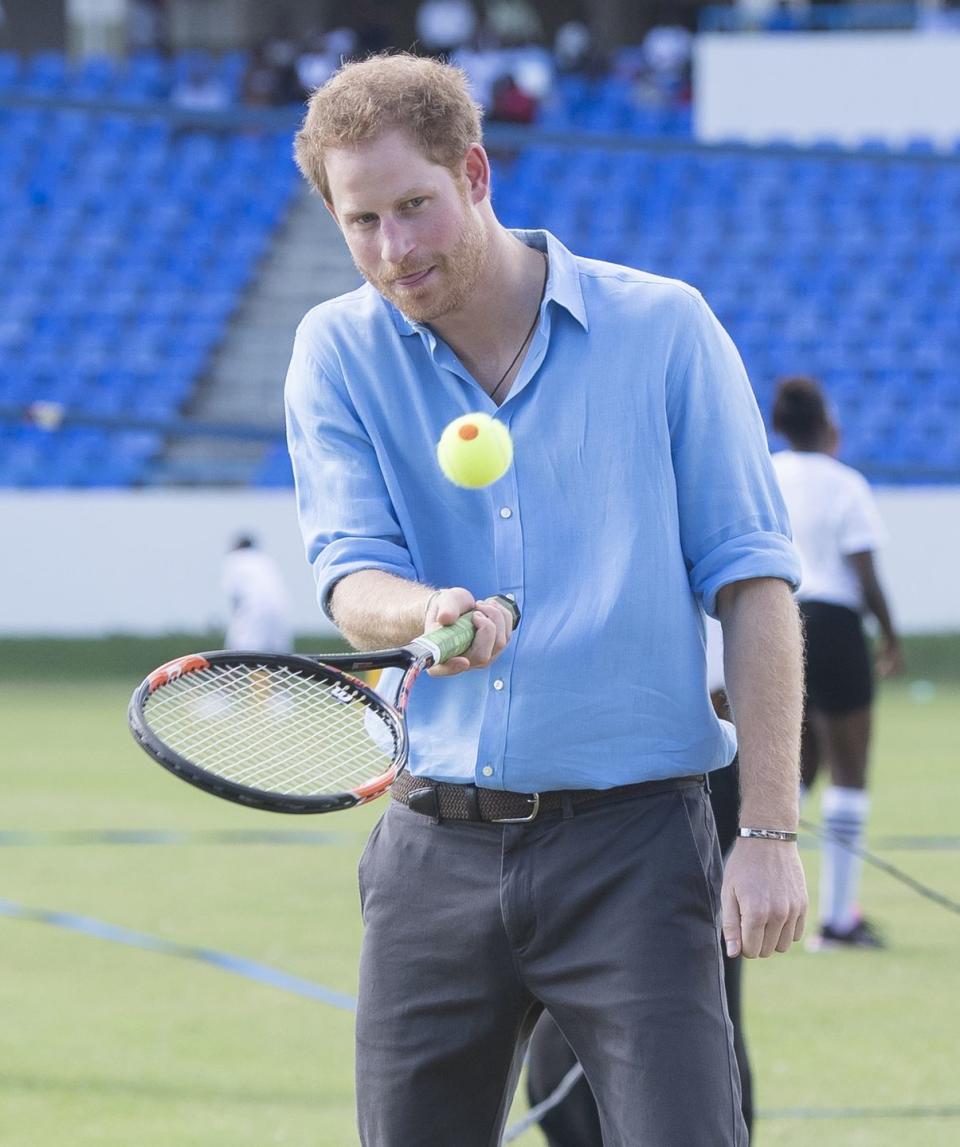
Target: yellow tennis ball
475,450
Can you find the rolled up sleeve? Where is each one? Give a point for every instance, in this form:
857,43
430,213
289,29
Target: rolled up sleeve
346,516
733,521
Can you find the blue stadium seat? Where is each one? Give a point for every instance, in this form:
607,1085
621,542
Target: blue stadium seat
116,287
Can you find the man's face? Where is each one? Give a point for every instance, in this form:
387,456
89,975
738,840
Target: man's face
411,227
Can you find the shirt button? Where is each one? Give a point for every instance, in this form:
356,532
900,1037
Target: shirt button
506,512
487,770
498,684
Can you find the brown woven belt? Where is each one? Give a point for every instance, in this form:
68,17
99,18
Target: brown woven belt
443,801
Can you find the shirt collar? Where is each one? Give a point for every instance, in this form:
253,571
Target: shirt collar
563,283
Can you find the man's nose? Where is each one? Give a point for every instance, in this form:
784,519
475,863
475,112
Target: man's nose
396,242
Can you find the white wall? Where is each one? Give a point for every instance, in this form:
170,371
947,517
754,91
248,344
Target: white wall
149,562
848,86
138,562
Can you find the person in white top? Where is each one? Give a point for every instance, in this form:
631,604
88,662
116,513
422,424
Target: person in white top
259,609
836,530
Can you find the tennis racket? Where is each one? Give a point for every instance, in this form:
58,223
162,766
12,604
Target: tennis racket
287,733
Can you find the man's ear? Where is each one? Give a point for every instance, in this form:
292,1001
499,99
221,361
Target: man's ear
476,167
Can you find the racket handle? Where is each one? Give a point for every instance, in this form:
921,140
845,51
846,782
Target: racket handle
509,605
452,640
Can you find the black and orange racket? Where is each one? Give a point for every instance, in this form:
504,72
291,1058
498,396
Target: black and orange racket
284,732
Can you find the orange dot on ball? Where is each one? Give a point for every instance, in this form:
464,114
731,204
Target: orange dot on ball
468,431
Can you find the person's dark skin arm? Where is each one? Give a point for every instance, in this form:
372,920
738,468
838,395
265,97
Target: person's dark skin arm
890,657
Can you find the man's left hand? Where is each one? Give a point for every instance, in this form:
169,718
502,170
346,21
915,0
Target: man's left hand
764,897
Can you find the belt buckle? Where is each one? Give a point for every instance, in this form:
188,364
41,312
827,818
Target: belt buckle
534,798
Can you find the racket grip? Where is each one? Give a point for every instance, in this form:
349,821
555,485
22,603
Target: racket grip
452,640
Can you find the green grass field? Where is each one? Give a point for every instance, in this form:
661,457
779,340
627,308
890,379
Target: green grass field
106,1044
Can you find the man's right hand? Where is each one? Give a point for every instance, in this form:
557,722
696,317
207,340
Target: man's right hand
493,623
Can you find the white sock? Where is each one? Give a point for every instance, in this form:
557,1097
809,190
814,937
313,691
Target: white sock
844,815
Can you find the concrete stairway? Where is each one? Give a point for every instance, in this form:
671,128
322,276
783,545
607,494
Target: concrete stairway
307,264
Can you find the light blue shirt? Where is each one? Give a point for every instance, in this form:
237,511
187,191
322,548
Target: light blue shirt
641,484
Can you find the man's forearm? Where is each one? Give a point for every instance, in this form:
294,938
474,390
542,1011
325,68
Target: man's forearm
763,670
377,610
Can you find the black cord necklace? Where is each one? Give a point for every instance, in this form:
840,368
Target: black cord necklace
527,337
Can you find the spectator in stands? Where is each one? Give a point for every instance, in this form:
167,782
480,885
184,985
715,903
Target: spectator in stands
443,26
575,52
320,59
259,610
260,81
511,103
836,529
483,67
513,23
200,90
571,45
271,79
147,29
664,80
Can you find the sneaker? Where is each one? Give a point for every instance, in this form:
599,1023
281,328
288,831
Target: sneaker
861,935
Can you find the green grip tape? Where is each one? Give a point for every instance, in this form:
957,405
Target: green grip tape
455,639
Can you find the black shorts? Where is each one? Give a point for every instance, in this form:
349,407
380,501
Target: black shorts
725,798
839,669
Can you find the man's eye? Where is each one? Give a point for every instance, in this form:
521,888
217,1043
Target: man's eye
417,201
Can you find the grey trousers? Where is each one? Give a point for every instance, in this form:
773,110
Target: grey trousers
608,917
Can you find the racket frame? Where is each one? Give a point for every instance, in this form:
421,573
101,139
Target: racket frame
424,651
315,667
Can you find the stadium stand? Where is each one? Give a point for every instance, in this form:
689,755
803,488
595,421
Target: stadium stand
129,241
843,265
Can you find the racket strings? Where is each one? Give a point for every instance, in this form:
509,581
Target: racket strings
274,728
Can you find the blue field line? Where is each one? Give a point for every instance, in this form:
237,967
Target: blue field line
239,965
148,836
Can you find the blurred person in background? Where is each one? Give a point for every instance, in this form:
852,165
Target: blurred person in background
513,23
575,1121
147,26
511,103
257,598
200,90
664,77
320,58
575,53
443,26
271,79
836,529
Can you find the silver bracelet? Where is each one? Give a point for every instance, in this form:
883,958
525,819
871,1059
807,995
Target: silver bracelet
769,833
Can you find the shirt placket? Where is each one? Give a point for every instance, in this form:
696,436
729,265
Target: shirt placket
508,534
